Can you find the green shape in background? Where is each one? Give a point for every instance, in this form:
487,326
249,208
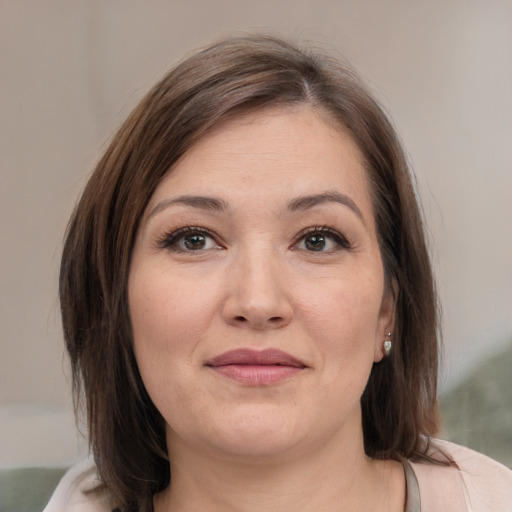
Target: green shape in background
27,489
478,412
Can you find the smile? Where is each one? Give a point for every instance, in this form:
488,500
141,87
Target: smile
256,368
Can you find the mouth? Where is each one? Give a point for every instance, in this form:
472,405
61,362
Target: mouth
256,367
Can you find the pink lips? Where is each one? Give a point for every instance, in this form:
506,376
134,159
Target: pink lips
256,368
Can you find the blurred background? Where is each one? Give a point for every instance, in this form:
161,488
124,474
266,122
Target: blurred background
70,71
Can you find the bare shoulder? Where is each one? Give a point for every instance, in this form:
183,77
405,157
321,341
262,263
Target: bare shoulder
73,492
474,481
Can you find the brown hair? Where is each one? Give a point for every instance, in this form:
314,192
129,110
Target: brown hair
127,433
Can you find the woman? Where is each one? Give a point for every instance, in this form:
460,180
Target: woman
248,303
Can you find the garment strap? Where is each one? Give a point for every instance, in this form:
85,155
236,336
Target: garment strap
412,500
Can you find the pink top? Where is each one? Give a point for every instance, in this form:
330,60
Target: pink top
477,484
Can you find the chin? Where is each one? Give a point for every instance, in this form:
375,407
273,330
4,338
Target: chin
255,432
256,444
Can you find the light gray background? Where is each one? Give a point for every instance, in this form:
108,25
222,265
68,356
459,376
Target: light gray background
70,70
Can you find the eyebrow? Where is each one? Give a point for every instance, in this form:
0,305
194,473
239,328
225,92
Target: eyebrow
306,202
298,204
201,202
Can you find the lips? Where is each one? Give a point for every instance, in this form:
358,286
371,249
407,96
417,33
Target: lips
256,367
255,357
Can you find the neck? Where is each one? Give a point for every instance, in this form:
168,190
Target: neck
341,479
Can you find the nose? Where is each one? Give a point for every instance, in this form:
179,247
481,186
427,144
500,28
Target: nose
258,296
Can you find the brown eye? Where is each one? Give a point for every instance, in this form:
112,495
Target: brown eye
189,239
315,242
194,242
321,240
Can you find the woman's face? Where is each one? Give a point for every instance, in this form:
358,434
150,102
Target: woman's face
256,290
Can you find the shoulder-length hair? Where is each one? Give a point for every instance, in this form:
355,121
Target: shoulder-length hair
228,79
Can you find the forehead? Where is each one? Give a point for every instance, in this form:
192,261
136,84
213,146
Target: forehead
270,153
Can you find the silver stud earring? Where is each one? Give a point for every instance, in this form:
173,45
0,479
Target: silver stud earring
387,344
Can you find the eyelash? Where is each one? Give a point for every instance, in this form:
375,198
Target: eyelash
169,241
337,237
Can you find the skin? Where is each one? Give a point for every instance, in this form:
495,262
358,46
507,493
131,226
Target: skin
256,281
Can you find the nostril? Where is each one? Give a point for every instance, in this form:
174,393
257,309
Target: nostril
240,319
275,319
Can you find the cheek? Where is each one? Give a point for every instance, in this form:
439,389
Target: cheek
168,322
345,311
166,314
342,316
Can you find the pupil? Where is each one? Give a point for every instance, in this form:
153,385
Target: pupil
194,242
315,242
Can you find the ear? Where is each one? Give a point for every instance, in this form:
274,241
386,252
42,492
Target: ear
385,320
